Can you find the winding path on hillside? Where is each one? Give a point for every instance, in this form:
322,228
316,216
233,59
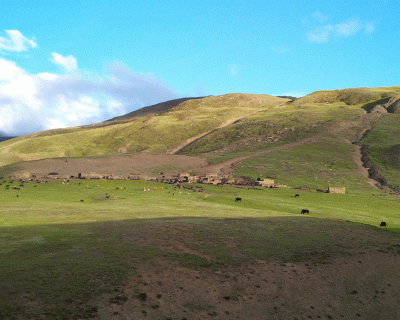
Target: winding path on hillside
227,167
367,121
228,122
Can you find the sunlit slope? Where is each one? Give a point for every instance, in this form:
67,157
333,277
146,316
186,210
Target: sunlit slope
337,113
312,141
367,97
280,125
157,133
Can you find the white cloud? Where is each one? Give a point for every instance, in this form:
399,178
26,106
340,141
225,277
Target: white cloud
17,86
34,102
349,28
68,63
324,33
16,42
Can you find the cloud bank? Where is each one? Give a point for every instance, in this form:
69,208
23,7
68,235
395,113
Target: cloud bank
325,32
35,102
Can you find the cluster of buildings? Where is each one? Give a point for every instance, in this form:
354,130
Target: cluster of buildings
182,178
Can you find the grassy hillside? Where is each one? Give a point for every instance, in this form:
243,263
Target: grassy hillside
277,126
384,148
317,165
316,132
155,134
328,122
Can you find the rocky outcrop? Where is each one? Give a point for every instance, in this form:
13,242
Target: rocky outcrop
392,106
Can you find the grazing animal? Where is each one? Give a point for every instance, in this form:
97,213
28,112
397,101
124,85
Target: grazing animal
383,224
304,211
238,199
297,195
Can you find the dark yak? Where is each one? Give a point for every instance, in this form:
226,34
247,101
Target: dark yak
238,199
383,224
304,211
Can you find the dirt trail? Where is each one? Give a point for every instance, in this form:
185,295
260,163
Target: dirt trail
226,167
223,125
367,121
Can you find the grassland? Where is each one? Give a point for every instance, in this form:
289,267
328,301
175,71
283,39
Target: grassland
64,244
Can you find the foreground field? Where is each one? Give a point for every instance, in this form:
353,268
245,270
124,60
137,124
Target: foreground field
110,250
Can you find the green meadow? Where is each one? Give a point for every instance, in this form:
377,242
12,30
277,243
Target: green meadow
63,244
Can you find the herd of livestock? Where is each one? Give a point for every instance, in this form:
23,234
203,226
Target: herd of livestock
238,199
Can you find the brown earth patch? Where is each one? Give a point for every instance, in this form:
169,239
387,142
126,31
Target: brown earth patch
358,283
116,165
363,286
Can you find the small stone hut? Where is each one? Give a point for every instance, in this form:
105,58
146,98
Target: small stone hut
340,190
266,183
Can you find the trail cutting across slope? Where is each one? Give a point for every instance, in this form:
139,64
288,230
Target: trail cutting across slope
366,121
228,122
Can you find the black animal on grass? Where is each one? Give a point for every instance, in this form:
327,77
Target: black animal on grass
238,199
297,195
383,224
304,211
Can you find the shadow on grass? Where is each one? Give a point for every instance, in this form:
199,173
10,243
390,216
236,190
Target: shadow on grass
53,271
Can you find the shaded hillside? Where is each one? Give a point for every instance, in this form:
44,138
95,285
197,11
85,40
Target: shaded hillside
152,110
3,138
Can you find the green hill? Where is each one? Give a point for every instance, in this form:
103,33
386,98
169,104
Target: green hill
309,140
155,133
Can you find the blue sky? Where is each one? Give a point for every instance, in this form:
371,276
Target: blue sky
67,63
